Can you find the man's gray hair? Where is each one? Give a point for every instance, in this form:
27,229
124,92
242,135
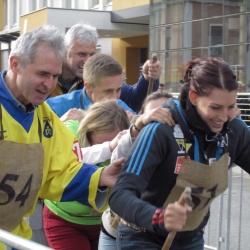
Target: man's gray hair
27,44
83,33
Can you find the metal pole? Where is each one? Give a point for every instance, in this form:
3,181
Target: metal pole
20,243
229,208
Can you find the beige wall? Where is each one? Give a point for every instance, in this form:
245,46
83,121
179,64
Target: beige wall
132,68
118,4
1,14
34,20
127,51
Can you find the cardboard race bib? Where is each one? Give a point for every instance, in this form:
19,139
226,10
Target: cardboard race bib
206,182
20,180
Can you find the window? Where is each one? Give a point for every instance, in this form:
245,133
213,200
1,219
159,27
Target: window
66,4
94,4
33,6
43,3
216,31
107,2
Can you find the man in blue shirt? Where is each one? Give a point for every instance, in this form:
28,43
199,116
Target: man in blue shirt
81,40
103,80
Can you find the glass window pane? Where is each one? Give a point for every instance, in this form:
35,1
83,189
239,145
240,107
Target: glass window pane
107,2
168,37
14,12
161,58
233,6
237,56
158,13
247,28
196,53
215,40
233,58
187,35
184,35
193,53
56,3
196,7
157,39
43,3
196,34
212,8
175,11
94,4
33,6
201,28
212,32
79,4
173,71
176,35
23,8
204,52
235,29
247,5
66,4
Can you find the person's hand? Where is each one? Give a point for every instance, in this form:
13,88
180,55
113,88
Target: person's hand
235,113
132,117
158,114
151,70
113,144
73,114
109,174
175,216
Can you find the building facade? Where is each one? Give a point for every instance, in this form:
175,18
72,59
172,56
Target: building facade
122,26
181,30
176,30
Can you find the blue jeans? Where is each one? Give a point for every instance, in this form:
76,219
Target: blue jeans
130,239
106,242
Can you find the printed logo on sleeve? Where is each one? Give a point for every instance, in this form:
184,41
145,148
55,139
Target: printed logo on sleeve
48,130
184,147
178,132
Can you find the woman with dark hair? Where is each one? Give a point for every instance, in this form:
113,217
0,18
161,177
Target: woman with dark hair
196,152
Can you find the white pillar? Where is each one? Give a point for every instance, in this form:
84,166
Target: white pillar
101,4
18,13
